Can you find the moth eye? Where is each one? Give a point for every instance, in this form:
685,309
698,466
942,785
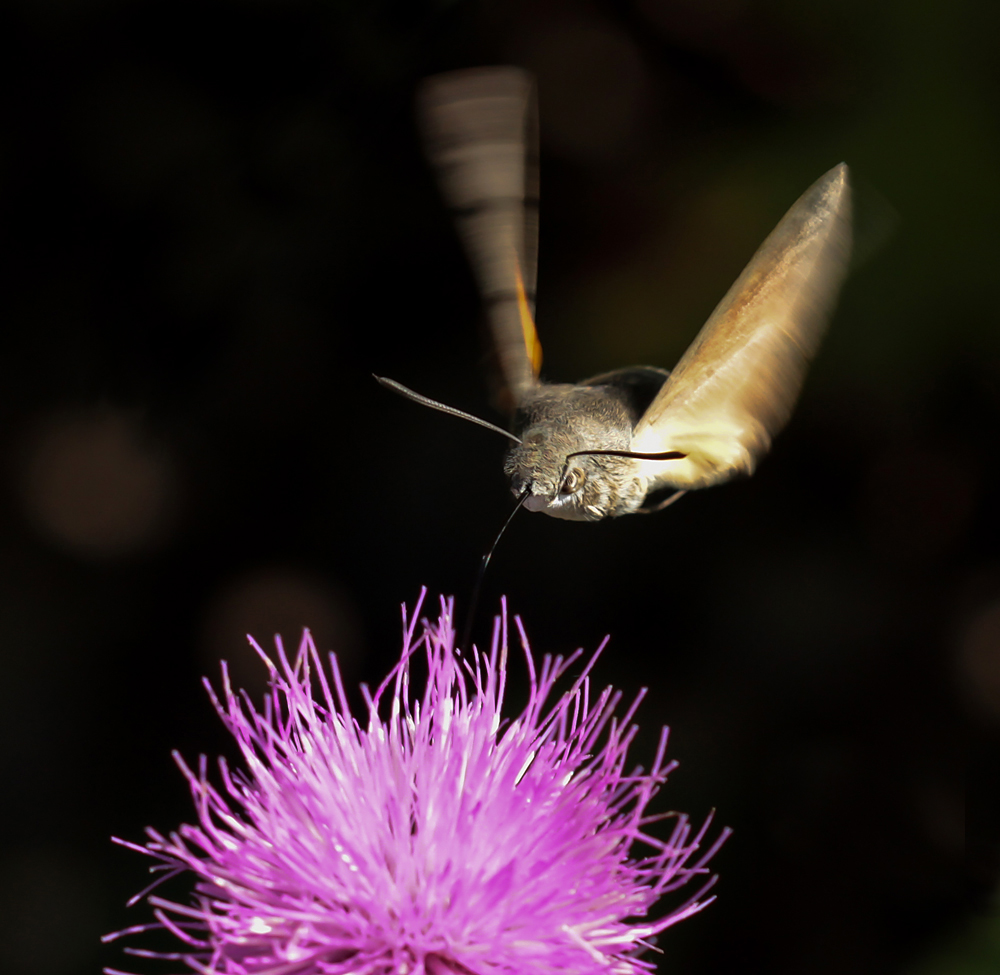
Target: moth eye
572,482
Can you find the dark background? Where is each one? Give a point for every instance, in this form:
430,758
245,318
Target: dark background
216,224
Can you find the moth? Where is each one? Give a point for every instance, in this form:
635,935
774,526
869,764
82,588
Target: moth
608,445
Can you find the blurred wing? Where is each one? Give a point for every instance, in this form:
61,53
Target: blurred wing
480,128
735,387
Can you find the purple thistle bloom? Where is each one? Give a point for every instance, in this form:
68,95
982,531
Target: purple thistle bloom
440,839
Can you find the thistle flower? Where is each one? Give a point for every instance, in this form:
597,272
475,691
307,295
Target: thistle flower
440,839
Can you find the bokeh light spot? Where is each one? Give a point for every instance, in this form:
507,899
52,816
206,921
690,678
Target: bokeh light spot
978,662
96,485
277,600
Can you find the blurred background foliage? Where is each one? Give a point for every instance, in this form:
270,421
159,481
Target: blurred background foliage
216,224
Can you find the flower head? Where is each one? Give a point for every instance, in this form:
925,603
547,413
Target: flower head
438,839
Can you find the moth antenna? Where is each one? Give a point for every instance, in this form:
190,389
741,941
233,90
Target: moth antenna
441,407
466,643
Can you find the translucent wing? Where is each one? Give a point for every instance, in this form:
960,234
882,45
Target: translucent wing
480,127
735,387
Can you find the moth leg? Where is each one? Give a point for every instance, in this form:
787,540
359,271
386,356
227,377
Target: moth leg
663,504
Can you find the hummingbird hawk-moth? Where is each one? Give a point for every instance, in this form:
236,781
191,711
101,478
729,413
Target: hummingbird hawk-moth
600,448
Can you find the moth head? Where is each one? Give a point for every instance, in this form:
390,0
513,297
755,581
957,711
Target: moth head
583,489
554,426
